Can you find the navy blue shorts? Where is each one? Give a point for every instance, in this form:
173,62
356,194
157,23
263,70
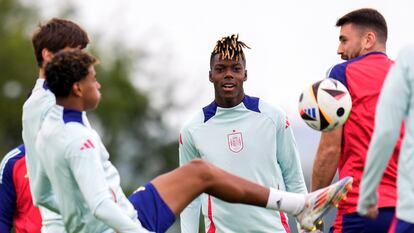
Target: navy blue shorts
401,226
354,223
153,213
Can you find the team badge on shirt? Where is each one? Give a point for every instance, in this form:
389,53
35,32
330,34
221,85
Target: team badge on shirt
235,141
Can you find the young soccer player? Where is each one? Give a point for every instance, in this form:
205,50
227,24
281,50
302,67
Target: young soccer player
87,185
243,135
55,35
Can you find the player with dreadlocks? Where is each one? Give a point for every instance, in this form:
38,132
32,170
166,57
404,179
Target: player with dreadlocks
246,137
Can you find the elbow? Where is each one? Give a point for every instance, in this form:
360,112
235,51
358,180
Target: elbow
327,159
334,151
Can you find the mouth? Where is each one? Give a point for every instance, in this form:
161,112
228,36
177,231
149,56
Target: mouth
228,87
344,57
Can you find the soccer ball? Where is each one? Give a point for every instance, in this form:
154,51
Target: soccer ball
325,105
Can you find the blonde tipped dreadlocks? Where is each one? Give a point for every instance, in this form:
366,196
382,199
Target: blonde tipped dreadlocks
230,48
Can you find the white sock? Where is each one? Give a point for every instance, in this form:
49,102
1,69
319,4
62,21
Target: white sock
291,203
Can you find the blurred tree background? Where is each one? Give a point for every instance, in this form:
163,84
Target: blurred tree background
140,143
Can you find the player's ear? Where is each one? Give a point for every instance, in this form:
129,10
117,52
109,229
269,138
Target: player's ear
77,89
210,77
370,40
245,75
46,55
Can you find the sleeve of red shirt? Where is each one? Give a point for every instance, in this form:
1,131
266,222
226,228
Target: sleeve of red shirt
7,194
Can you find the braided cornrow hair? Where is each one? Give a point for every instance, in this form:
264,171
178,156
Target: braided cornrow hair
229,48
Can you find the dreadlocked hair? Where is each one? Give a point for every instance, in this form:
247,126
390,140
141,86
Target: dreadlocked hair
229,48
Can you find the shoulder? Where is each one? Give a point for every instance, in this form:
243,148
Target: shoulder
9,160
338,72
406,54
40,95
199,118
78,138
75,130
74,124
268,108
272,111
409,49
65,127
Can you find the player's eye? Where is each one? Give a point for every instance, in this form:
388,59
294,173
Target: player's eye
237,68
219,69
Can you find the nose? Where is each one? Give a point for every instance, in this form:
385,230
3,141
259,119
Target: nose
98,85
340,50
228,74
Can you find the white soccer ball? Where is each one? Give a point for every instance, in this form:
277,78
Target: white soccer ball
325,105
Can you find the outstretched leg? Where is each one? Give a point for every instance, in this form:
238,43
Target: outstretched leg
182,185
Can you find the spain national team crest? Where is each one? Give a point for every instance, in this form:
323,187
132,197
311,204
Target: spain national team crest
235,141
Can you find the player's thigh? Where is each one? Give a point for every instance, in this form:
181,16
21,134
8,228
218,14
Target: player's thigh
182,185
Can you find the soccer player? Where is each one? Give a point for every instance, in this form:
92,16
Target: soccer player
87,185
245,136
16,207
55,35
362,42
395,105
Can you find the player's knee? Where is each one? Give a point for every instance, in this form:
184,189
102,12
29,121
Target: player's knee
202,169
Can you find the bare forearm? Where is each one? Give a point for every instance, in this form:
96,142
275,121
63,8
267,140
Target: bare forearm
327,159
323,172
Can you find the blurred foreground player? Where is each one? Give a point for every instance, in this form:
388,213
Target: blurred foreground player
395,105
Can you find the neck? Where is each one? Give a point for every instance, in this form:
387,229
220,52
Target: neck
377,48
229,102
70,104
41,73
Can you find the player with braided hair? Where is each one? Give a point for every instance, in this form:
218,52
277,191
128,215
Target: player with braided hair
230,48
244,136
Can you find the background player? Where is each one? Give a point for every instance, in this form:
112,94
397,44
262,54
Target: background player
244,136
362,42
55,35
395,105
87,185
16,206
